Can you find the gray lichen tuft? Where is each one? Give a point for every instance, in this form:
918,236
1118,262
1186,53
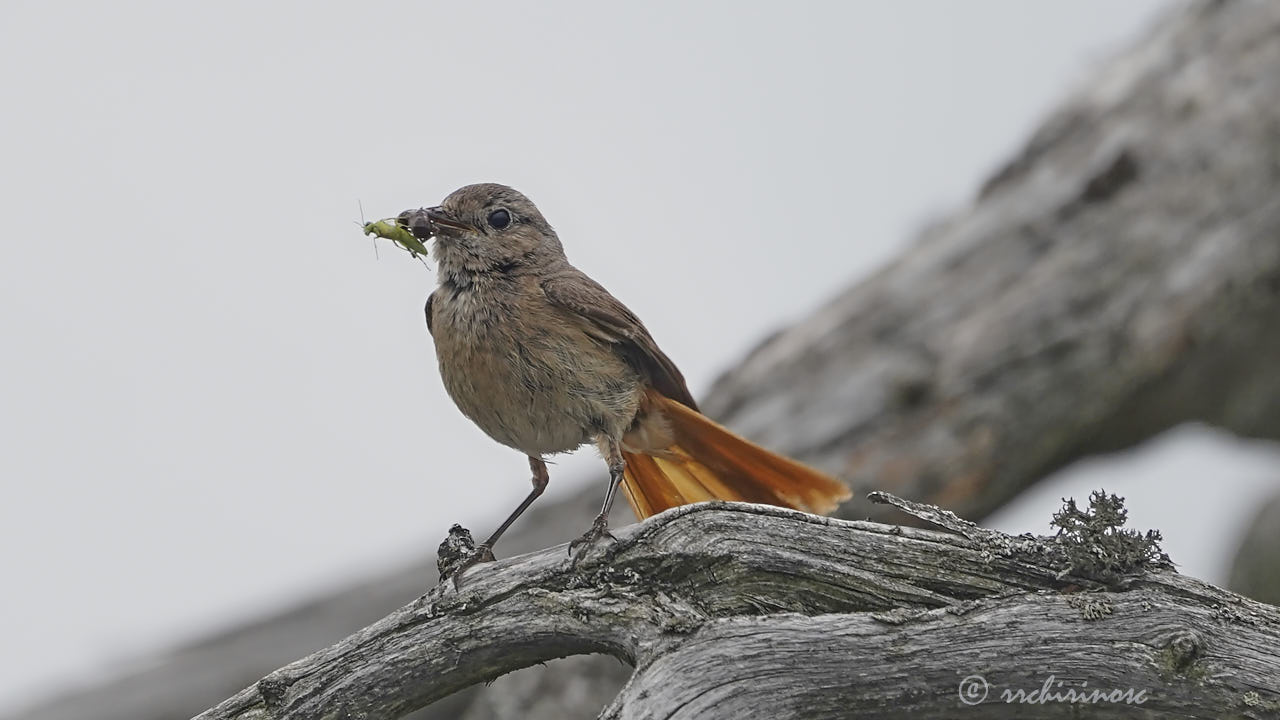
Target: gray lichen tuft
1098,546
1090,605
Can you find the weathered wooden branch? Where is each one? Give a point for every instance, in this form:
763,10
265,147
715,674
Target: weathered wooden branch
747,611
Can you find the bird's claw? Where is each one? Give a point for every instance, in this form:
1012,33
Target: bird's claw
599,530
482,554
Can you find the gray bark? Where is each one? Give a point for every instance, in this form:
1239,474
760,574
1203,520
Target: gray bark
747,611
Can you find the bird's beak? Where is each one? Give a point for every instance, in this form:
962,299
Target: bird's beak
439,217
432,222
445,222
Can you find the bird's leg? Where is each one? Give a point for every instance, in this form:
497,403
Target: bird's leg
600,527
484,551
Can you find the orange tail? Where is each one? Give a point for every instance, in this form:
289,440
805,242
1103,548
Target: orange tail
708,462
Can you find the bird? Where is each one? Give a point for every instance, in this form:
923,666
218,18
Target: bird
545,360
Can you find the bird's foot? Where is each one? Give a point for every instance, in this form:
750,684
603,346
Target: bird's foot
483,554
599,530
459,552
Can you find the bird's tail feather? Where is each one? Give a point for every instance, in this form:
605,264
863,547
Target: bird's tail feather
708,462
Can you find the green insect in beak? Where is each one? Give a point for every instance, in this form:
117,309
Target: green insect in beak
397,234
391,229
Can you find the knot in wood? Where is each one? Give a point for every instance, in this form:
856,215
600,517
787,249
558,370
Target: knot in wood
273,688
1184,647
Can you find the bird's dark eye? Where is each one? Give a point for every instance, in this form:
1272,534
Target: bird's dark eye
499,219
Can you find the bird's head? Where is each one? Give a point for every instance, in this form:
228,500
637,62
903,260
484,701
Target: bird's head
485,228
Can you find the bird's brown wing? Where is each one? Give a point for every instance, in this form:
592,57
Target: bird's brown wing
608,319
427,310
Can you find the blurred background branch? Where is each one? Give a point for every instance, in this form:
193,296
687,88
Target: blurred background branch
1255,570
1119,277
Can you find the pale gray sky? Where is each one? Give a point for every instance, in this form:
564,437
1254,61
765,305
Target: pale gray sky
215,399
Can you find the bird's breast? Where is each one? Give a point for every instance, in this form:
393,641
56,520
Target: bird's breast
526,372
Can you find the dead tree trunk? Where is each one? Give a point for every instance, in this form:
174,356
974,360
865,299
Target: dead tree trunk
746,611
